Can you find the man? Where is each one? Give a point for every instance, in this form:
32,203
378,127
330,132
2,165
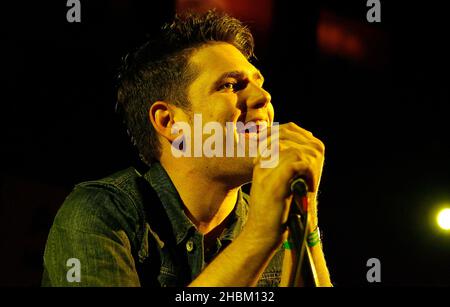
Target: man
185,220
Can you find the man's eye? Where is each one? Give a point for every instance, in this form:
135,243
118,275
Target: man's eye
228,86
233,86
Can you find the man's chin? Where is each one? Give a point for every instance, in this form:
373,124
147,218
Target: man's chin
237,169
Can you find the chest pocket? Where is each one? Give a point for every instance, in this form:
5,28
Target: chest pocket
156,262
159,262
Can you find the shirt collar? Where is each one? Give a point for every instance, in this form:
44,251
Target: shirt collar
173,205
238,218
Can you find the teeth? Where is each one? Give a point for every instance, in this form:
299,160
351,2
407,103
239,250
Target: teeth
262,123
253,127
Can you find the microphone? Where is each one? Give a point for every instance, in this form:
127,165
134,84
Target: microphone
298,223
299,188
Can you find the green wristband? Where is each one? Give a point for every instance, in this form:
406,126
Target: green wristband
314,237
287,245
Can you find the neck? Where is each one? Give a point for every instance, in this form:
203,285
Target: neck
207,202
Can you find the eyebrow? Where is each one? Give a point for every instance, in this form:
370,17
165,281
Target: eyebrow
236,75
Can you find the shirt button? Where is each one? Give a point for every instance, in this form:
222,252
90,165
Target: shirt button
190,246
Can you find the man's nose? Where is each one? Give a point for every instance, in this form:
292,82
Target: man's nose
257,97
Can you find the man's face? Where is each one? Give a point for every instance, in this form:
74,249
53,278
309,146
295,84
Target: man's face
228,89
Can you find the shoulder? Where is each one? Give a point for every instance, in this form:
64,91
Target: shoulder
99,206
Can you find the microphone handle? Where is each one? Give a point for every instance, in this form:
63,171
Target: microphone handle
304,269
299,188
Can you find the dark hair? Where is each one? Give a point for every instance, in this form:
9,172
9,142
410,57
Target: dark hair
160,70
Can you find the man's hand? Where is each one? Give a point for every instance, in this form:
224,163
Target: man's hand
300,154
245,259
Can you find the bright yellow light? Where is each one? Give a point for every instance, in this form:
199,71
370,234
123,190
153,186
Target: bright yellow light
443,218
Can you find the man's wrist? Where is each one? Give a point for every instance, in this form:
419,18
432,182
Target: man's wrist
263,243
313,237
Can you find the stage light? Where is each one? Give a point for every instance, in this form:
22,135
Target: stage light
443,219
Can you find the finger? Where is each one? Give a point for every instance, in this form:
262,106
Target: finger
302,169
296,128
292,132
302,138
291,126
290,150
306,150
293,158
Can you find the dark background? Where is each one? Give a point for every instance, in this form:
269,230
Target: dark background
376,94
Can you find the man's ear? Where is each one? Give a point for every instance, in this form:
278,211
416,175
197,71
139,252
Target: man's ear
162,118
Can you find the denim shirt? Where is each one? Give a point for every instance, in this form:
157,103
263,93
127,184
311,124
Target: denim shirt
131,230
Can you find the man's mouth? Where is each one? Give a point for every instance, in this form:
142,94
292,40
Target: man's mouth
251,127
